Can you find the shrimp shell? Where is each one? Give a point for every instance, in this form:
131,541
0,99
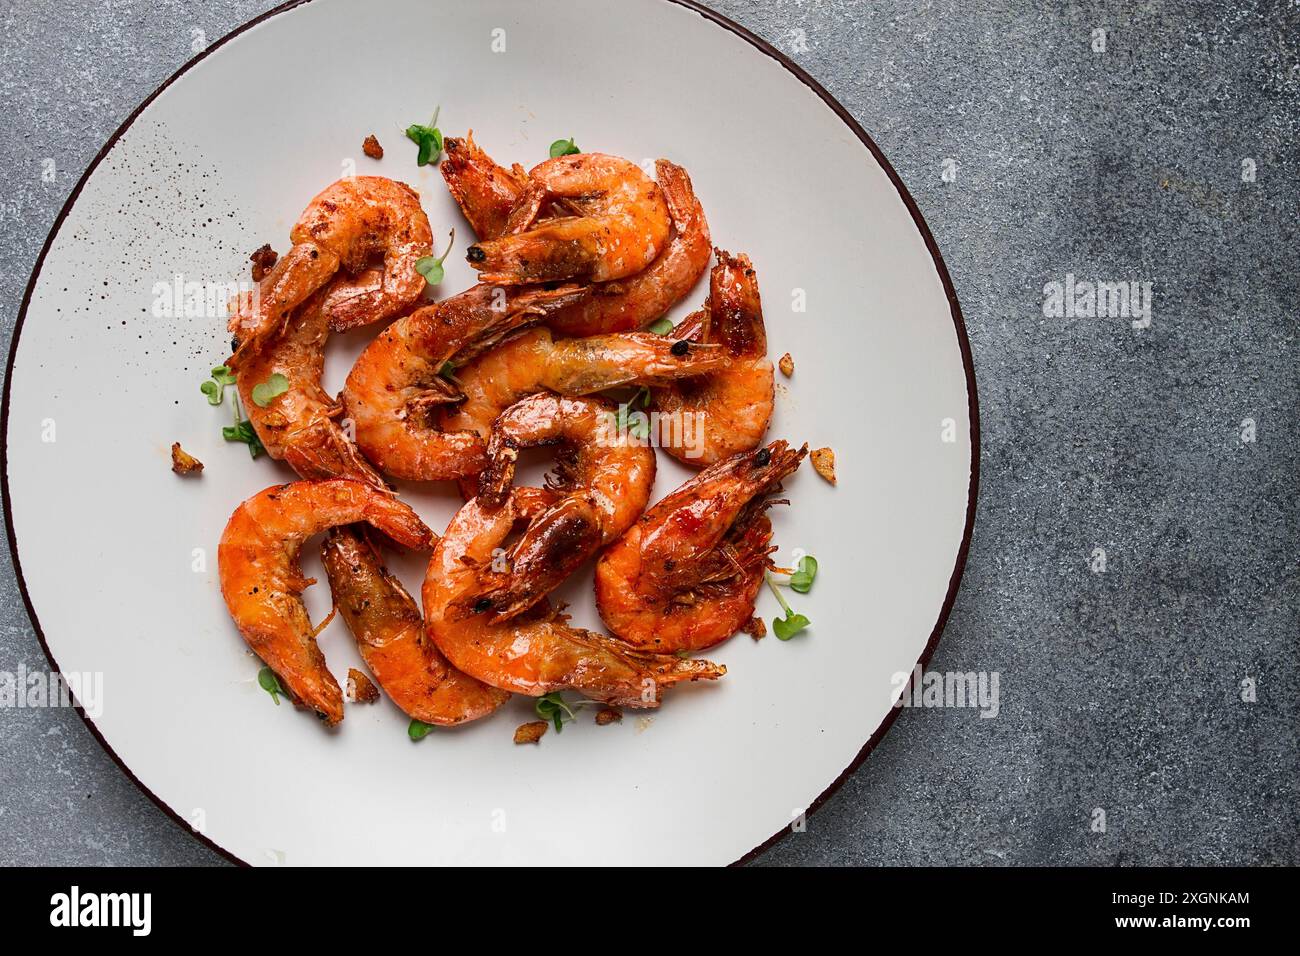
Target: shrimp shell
537,652
622,226
686,576
261,581
389,631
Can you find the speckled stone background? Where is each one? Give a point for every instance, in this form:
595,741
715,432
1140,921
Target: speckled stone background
1120,690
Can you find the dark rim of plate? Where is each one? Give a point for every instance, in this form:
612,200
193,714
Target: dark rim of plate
762,46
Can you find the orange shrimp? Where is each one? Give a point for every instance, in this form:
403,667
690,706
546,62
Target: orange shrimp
621,227
301,425
262,582
347,226
484,191
539,651
686,576
634,302
534,361
604,475
397,380
389,631
707,419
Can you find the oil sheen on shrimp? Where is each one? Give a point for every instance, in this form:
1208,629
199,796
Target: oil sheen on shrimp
636,301
396,384
707,419
603,478
539,651
485,191
389,631
534,361
262,582
621,226
300,426
347,226
686,575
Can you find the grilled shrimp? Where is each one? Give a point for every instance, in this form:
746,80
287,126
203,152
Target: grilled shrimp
621,226
395,383
262,582
686,575
534,361
604,475
732,406
537,652
300,426
347,226
634,302
484,191
389,631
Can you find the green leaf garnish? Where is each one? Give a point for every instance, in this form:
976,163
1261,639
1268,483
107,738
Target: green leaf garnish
215,387
790,625
243,431
804,575
564,147
431,266
660,327
553,708
264,392
638,427
418,729
428,138
267,680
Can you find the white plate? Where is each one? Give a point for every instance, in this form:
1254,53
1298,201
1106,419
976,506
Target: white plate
222,159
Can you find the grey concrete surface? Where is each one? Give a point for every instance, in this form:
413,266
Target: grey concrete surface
1120,690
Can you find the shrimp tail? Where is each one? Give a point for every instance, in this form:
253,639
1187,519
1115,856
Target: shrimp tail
643,675
485,191
322,451
355,301
683,207
669,669
400,523
297,274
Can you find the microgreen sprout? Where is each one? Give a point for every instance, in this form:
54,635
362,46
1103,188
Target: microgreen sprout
431,266
428,138
553,707
418,729
564,147
243,431
215,387
628,419
804,575
790,625
273,387
267,680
